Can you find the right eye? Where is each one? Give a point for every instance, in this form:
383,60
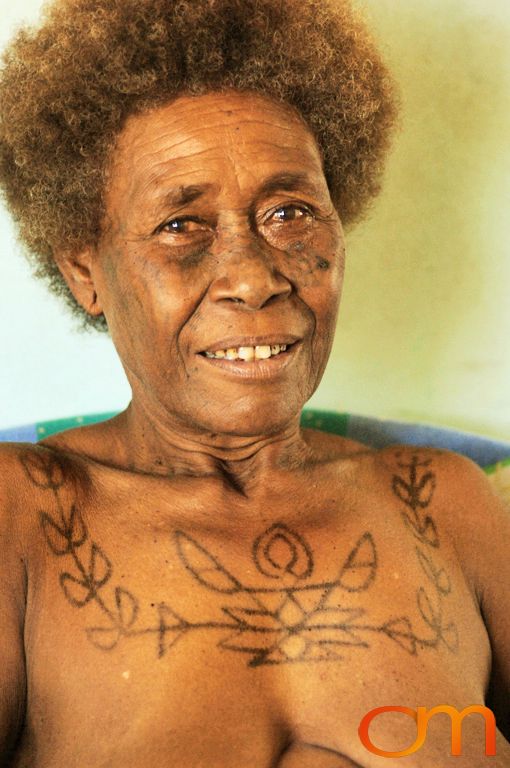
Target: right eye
185,225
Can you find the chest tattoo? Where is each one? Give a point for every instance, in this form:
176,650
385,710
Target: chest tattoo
288,616
414,486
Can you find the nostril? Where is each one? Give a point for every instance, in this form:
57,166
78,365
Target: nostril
250,289
276,297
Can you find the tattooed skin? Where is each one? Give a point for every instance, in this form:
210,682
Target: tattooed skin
415,488
290,618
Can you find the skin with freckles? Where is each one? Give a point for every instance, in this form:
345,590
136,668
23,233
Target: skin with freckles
199,582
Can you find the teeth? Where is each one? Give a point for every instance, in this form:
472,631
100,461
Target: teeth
246,353
262,352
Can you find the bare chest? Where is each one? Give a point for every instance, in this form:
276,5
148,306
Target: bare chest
175,645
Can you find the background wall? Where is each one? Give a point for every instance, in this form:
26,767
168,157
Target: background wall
425,324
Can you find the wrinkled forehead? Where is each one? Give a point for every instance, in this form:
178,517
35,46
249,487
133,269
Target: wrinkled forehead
199,137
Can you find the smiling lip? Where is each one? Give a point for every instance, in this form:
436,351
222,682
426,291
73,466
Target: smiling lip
234,342
260,370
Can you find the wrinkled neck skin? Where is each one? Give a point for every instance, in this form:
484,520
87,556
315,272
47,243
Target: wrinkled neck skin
157,443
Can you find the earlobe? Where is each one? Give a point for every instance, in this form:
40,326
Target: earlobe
76,269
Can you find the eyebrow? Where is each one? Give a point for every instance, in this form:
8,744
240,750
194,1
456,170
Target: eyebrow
186,194
291,182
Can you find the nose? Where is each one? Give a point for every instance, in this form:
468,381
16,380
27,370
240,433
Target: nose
247,274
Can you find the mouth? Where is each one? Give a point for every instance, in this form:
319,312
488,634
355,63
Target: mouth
252,358
248,353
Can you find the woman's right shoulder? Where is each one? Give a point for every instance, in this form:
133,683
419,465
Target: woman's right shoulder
19,495
24,467
32,477
14,482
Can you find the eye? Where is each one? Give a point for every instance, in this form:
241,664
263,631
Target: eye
291,213
186,225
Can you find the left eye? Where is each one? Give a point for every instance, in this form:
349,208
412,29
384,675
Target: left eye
290,213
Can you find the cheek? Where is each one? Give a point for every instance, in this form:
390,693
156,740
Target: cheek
317,264
317,270
131,287
167,290
117,299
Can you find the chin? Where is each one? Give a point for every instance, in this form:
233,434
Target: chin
259,419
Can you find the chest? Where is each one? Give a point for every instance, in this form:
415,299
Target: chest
165,633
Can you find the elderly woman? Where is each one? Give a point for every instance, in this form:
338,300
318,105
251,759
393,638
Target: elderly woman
198,581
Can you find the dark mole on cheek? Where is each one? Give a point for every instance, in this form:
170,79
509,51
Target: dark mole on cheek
323,264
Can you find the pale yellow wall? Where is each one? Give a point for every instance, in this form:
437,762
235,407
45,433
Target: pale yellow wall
424,330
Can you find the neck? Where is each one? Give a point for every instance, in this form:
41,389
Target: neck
155,445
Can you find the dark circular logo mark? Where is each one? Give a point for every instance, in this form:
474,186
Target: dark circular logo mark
279,550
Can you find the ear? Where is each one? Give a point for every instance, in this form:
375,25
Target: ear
76,269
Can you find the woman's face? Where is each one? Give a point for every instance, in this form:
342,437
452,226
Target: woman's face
220,239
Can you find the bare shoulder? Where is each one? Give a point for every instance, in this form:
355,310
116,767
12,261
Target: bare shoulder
18,499
28,471
22,471
459,488
454,493
15,491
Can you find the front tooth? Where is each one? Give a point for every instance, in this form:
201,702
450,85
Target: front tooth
275,349
246,353
231,354
262,353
